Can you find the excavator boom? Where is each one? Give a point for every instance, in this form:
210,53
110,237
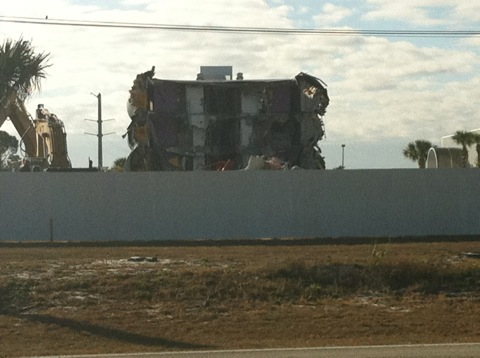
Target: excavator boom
16,111
44,138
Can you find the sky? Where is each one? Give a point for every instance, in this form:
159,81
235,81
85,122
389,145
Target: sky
385,91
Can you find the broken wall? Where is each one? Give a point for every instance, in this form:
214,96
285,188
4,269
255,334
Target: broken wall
210,123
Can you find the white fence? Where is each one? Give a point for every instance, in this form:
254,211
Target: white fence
239,204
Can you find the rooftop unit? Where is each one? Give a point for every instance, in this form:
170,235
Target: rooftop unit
218,73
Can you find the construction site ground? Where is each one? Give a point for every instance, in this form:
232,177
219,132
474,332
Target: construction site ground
84,298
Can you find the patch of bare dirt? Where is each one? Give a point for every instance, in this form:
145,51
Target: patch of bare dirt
72,299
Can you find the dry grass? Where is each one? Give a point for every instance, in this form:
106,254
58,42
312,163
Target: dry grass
73,299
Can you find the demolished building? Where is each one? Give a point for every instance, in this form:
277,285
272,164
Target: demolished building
219,123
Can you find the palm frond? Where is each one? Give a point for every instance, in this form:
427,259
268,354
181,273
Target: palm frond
418,151
21,68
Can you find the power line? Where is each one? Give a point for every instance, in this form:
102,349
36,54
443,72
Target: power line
241,30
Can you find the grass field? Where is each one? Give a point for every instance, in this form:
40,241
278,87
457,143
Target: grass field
85,299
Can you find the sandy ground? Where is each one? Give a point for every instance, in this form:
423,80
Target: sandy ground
72,299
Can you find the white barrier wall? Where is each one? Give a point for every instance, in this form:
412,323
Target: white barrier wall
239,204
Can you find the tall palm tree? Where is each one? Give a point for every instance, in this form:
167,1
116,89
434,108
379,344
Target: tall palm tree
21,70
465,139
417,151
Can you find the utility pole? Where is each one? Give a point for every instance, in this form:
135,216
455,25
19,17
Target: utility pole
343,156
99,132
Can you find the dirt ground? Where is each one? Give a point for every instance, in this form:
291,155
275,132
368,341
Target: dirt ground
79,299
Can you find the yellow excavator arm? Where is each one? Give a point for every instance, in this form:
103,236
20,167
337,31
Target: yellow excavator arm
44,138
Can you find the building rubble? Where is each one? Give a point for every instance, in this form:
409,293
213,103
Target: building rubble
220,123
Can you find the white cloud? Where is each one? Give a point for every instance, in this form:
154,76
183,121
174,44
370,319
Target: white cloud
303,10
401,11
469,10
380,89
425,12
394,89
331,14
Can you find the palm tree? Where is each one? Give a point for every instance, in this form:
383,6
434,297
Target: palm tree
465,139
417,151
21,70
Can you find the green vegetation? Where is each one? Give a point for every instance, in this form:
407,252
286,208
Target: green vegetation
466,139
21,69
417,151
8,150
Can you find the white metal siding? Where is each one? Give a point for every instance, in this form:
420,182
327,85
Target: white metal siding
239,204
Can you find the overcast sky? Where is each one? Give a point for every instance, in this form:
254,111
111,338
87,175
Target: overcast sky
384,91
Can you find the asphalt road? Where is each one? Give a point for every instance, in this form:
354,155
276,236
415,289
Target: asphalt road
399,351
